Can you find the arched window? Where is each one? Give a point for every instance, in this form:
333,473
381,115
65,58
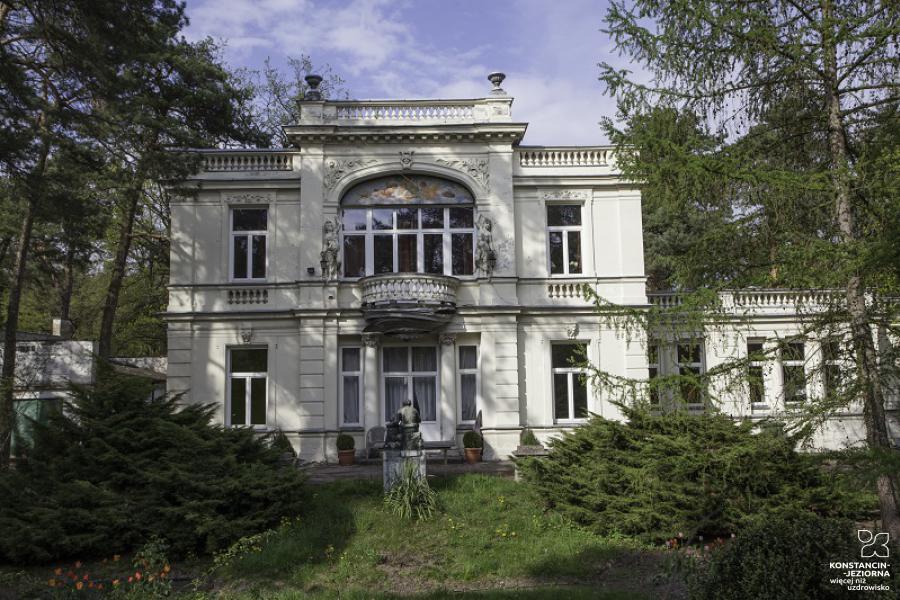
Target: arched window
408,224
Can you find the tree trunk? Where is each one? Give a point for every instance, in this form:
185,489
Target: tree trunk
68,282
860,323
8,372
123,247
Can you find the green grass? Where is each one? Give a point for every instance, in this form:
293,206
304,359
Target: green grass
487,533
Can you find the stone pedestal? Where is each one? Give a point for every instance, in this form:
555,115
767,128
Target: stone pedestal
395,460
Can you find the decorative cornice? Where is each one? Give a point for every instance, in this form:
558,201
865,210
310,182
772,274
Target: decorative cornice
476,168
579,195
248,197
335,170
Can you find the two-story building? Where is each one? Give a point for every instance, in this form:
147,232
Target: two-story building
404,249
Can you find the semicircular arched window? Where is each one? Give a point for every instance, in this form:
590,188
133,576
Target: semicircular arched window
408,224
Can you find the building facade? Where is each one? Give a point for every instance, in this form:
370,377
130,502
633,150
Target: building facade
411,249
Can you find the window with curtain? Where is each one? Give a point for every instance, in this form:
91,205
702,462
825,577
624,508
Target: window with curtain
468,383
564,238
410,372
351,385
569,384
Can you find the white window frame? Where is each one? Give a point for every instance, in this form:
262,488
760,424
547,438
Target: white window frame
572,373
654,370
763,405
473,371
249,234
247,376
786,363
446,232
565,229
836,362
409,374
700,366
359,374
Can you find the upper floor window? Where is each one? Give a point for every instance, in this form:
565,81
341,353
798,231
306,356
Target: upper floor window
415,224
832,365
564,238
249,227
247,383
653,371
569,382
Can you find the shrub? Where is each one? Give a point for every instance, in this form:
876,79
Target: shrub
472,440
780,558
345,442
410,495
527,438
281,443
660,476
117,469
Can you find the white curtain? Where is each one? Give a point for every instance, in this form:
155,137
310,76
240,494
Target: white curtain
425,391
395,392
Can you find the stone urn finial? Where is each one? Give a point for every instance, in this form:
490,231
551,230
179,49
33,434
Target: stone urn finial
313,92
496,78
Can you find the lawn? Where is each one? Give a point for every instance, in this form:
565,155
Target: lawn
489,534
489,539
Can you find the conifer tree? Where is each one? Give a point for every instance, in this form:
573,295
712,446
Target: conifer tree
800,94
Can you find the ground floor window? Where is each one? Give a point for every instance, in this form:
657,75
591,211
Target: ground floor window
793,371
247,386
569,384
351,385
410,372
468,382
27,413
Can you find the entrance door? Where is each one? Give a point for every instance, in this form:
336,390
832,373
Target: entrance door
412,372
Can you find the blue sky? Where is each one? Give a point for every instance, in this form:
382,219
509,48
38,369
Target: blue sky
431,48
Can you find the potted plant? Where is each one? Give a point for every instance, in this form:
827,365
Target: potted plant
473,443
346,450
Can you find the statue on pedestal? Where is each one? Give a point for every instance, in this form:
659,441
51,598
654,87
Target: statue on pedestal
402,433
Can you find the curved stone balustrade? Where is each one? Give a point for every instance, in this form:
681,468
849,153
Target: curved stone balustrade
408,288
231,161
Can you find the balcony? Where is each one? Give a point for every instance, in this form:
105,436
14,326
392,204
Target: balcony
408,305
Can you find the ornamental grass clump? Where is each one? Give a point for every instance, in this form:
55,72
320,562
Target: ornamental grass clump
116,469
410,496
657,477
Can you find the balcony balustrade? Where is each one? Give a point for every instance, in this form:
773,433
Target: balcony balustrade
408,304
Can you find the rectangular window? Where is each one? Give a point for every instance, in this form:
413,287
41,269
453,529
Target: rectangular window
755,362
690,365
653,372
564,238
468,382
793,370
248,373
249,228
431,239
832,366
351,385
569,384
410,373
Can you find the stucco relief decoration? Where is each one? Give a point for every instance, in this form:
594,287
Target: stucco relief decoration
330,249
406,160
476,168
335,170
577,195
448,339
572,331
246,334
485,257
407,189
370,340
248,198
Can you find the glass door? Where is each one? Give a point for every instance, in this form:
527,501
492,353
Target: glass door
412,372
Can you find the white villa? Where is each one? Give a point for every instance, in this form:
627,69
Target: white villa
414,249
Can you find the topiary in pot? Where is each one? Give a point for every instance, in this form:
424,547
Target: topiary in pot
346,451
473,443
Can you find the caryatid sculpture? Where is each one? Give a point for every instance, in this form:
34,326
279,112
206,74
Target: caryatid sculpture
331,263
